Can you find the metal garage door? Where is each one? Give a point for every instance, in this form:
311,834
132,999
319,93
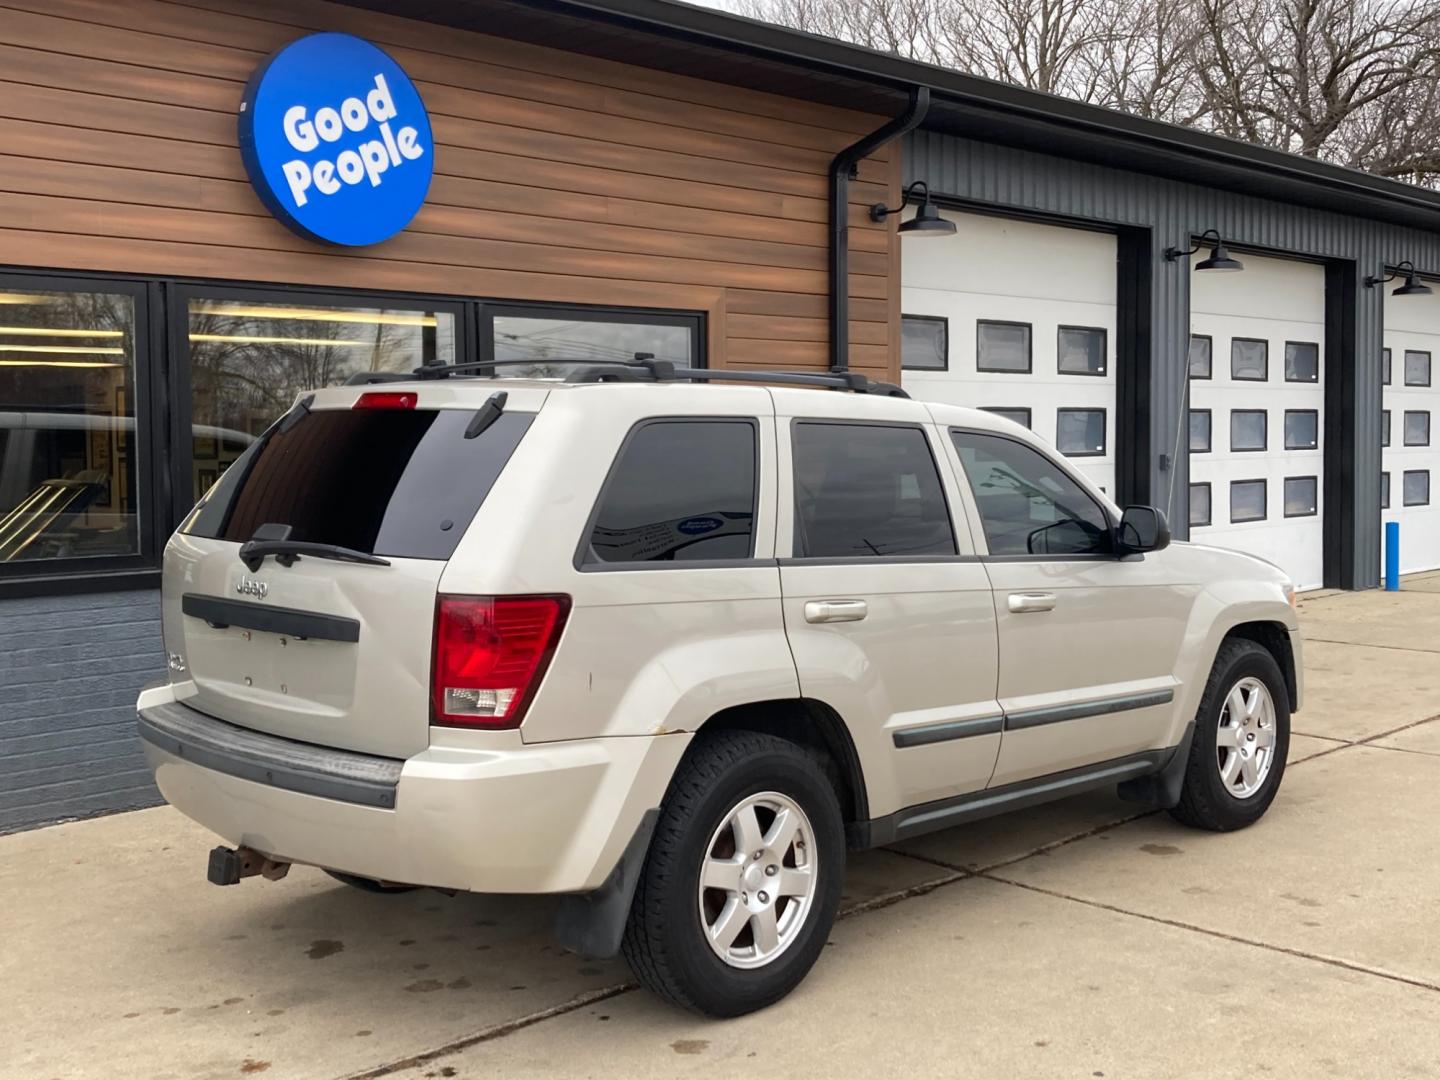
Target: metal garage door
1018,318
1410,459
1257,399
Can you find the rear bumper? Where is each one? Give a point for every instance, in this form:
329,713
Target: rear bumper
542,818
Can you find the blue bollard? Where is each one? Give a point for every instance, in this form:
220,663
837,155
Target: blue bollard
1392,556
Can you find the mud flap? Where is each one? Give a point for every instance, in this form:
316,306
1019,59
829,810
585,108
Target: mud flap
1161,788
593,923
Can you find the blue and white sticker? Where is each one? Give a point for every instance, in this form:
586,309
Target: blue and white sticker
336,140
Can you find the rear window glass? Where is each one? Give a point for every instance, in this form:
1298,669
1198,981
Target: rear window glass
400,482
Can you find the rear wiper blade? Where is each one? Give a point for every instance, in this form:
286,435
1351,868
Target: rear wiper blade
254,552
487,414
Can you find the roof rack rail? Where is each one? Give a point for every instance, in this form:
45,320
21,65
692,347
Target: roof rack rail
645,368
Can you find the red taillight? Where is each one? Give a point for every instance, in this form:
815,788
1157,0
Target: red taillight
386,399
490,654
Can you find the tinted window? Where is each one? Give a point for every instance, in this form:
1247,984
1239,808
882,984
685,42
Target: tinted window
1301,495
1415,487
1302,429
1417,368
681,490
1384,491
1028,504
1200,358
1199,430
1417,429
1302,361
923,343
1199,504
1385,366
1080,432
1247,429
1385,427
1002,346
1081,350
1018,415
401,482
1247,500
867,490
1249,359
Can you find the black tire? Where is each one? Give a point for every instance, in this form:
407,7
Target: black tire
664,940
1205,800
370,885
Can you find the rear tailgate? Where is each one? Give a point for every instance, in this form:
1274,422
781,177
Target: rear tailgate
312,648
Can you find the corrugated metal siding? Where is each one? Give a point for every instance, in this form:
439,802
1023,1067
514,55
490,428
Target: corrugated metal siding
1003,178
70,668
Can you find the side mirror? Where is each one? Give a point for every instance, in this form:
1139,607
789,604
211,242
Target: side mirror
1142,528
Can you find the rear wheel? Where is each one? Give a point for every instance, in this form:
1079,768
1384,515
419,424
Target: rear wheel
743,877
1242,737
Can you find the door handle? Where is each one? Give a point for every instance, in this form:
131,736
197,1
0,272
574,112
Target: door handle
1021,602
825,611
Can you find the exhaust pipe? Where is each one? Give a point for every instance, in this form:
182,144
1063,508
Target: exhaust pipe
229,865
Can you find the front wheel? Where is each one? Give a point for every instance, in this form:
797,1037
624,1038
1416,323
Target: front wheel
742,880
1242,737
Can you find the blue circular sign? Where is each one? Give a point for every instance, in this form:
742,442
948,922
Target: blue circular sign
336,140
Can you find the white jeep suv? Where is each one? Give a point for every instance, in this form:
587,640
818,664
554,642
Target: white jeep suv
669,642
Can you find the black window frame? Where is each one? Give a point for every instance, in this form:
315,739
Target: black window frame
1264,446
1250,378
869,560
1284,498
944,322
1405,427
1104,350
585,566
1429,367
1415,472
1385,489
1386,366
1264,504
1384,428
1318,362
1029,347
998,410
1209,375
1209,415
1209,502
1104,430
1285,428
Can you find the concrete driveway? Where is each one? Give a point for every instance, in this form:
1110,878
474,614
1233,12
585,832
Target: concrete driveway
1081,939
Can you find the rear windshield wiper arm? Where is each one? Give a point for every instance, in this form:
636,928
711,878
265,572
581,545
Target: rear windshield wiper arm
254,552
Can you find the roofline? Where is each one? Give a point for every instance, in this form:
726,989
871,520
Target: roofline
1026,108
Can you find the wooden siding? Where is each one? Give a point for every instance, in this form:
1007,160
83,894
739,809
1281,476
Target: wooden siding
559,177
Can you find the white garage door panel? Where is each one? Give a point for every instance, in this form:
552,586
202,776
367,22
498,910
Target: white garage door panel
1044,276
1412,323
1274,301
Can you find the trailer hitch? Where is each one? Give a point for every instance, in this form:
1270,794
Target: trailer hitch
229,865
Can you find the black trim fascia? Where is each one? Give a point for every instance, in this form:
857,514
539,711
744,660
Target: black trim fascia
926,734
271,620
1344,519
1056,714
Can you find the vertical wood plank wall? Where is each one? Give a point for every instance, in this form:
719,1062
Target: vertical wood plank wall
559,177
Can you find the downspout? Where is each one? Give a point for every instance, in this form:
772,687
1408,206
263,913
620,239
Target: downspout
842,171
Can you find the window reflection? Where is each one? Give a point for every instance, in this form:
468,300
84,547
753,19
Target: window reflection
587,337
67,445
250,360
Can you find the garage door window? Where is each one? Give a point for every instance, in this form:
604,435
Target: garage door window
1019,415
1249,359
1247,500
1201,348
1199,431
1384,491
924,343
1081,350
1416,487
1417,429
1248,430
1302,361
1302,429
1080,432
1199,504
1417,368
1385,367
1002,347
1301,496
1384,427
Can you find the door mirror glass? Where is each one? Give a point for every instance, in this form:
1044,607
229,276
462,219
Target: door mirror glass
1143,528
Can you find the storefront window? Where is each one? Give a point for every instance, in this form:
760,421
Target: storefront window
250,360
67,426
548,335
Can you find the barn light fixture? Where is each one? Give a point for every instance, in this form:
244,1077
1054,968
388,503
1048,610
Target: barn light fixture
1219,258
1413,285
927,220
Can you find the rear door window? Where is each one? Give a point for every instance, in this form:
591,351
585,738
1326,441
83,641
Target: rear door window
868,491
680,491
398,482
